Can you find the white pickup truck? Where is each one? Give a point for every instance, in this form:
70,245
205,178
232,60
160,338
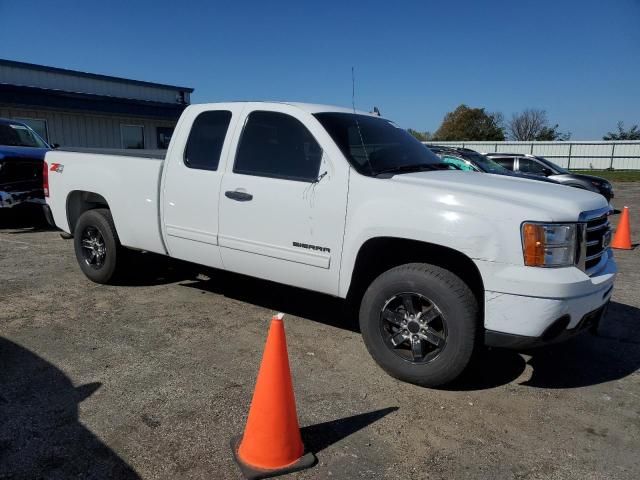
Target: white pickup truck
348,204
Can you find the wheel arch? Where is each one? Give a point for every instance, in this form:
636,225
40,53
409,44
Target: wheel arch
380,254
80,201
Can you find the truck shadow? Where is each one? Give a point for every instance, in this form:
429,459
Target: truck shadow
148,269
611,354
23,220
282,298
40,433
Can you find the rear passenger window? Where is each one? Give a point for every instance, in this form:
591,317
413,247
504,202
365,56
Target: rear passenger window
504,161
206,139
526,165
277,145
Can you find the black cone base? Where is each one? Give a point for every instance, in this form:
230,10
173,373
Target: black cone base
308,460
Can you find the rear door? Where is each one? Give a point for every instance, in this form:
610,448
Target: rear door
191,186
283,200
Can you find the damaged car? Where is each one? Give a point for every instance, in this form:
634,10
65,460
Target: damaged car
22,153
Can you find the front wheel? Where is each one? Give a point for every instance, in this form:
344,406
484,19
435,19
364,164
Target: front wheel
97,246
419,323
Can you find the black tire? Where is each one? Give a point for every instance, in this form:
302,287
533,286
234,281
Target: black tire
99,220
458,324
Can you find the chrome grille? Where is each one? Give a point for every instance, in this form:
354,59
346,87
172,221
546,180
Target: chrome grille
597,238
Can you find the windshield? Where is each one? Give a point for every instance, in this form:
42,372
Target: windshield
552,165
373,145
18,135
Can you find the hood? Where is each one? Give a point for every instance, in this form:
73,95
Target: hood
32,153
551,201
537,178
588,178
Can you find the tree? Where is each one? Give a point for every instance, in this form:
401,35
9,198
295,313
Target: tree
551,134
632,134
532,124
422,136
466,123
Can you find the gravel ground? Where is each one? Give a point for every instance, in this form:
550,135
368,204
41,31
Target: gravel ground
151,380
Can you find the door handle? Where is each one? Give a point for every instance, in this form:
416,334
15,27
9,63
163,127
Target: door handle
238,196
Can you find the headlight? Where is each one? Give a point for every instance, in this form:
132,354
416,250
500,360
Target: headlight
549,245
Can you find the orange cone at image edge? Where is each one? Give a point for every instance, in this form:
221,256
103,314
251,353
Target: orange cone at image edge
272,444
622,238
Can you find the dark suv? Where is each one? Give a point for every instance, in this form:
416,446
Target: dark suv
540,166
470,160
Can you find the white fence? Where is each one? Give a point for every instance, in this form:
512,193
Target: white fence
574,155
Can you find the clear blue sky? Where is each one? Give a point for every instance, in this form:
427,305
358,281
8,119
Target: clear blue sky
579,60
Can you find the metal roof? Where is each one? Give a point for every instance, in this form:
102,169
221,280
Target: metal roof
30,97
96,76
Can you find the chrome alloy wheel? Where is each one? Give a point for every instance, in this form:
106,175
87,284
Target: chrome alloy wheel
94,249
413,327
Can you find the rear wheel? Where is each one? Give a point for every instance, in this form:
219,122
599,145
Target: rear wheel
419,323
97,246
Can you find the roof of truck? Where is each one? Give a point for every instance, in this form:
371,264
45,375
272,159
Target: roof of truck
307,107
317,108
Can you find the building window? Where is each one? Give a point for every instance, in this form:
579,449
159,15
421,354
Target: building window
132,136
38,125
164,136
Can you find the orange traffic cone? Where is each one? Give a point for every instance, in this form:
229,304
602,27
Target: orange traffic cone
271,444
622,238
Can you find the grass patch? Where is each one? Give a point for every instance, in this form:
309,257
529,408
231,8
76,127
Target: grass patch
613,175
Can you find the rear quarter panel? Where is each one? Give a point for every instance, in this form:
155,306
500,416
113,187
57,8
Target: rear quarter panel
130,185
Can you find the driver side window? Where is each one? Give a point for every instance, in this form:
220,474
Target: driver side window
277,145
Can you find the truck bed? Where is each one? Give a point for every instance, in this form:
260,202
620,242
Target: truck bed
130,185
124,152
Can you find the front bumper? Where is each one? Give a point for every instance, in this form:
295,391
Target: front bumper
533,306
556,332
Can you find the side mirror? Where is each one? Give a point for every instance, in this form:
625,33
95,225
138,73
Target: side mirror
55,145
546,172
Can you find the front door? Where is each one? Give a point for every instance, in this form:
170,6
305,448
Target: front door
283,201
